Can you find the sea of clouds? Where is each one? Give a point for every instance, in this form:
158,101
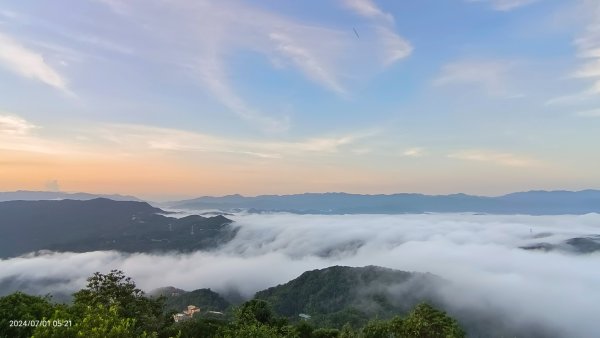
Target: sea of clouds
479,255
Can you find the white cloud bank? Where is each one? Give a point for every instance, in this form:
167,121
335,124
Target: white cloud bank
479,253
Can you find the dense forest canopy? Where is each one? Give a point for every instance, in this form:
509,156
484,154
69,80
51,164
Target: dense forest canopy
111,306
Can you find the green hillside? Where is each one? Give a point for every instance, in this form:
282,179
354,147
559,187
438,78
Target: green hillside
205,299
103,224
111,306
339,294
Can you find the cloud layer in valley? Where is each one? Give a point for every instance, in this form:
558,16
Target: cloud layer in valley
478,254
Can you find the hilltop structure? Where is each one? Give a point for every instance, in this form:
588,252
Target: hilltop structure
186,314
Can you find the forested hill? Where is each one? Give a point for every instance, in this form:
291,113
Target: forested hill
366,302
178,300
338,294
530,203
112,306
331,296
103,224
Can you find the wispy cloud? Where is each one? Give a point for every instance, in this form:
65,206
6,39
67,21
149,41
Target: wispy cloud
14,125
98,42
506,5
305,60
570,99
17,134
491,76
368,9
589,113
414,152
202,35
117,6
8,14
141,138
395,47
589,69
588,46
499,158
213,74
28,63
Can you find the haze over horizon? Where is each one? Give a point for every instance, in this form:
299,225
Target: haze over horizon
179,99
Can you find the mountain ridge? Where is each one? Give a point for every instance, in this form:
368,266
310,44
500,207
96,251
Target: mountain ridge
104,224
32,195
534,202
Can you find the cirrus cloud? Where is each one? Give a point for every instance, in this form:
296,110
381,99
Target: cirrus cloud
506,5
201,37
500,158
27,63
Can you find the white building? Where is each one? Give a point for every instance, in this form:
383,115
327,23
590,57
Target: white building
186,314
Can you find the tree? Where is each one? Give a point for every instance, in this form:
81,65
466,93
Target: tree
61,314
196,328
112,306
326,333
116,290
254,318
396,326
20,306
255,310
96,322
376,329
303,329
250,330
347,331
427,322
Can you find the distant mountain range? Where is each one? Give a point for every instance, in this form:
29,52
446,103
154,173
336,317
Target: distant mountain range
104,224
130,226
25,195
530,203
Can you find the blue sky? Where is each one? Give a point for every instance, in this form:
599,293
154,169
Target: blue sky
180,98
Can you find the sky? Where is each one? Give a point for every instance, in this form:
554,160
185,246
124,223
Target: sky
169,99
